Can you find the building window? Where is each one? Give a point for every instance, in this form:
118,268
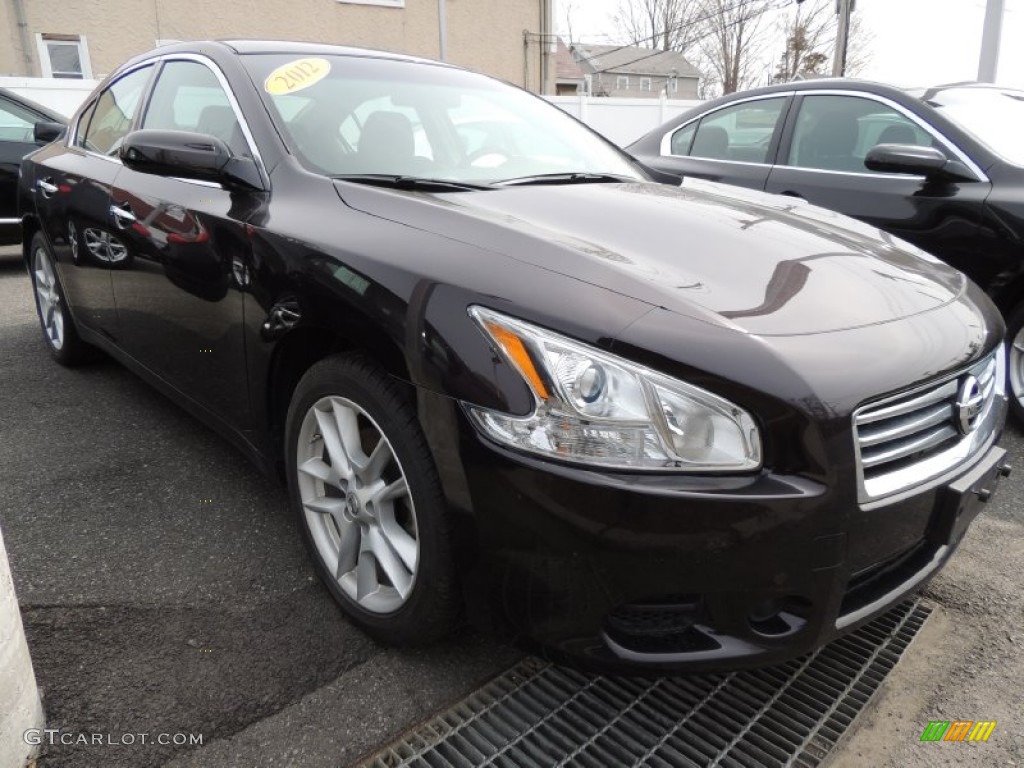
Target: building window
385,3
673,85
622,83
65,56
645,84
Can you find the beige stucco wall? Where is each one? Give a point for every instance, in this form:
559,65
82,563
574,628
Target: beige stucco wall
486,35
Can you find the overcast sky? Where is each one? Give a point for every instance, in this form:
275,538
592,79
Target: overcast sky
915,42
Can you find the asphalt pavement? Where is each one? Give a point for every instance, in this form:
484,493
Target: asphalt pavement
163,586
165,590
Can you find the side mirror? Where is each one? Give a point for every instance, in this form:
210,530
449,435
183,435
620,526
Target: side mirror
921,161
45,132
187,155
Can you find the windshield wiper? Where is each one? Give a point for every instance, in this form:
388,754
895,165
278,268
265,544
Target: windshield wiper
417,183
578,177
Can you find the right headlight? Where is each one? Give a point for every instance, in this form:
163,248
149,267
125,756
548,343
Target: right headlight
596,408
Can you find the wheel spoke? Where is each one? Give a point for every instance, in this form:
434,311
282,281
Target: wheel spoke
401,543
380,458
320,469
348,432
325,506
395,490
366,571
58,329
398,575
329,430
348,551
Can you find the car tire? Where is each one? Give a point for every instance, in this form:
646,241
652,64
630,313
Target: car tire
1015,362
384,555
55,319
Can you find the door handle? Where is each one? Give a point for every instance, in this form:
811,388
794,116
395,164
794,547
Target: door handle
123,216
47,187
797,195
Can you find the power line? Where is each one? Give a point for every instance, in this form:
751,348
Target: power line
678,27
729,25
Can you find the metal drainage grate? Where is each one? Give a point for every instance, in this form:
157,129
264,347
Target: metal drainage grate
538,714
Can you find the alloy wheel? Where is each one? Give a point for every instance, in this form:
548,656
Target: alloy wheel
51,313
1016,366
357,505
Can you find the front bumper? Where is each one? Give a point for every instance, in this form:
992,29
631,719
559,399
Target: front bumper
621,573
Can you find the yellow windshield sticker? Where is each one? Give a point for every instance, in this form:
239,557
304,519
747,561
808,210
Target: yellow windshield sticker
296,75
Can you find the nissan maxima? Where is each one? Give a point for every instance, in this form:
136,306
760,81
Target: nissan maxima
507,375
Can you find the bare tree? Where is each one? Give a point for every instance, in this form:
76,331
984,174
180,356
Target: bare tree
569,10
809,32
667,25
733,41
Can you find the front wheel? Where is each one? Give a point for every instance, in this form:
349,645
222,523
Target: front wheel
368,502
1015,361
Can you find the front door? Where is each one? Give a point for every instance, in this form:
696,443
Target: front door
180,302
822,161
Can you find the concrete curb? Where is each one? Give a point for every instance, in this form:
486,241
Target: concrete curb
20,707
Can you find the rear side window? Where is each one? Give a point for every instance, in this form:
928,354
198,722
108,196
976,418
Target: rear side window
109,120
742,132
189,97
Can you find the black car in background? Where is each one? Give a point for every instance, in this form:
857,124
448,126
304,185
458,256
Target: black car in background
942,168
648,427
24,127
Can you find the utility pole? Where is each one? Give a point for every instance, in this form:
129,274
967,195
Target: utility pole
844,8
442,29
990,40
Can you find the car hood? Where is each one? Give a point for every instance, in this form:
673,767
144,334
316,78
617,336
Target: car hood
763,264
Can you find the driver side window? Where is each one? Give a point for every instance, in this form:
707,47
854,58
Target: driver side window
107,122
189,97
835,133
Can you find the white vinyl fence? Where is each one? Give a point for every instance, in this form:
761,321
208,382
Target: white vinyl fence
621,120
61,95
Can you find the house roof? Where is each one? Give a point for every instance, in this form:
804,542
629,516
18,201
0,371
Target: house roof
631,60
566,68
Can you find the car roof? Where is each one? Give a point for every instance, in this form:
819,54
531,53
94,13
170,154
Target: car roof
244,47
33,106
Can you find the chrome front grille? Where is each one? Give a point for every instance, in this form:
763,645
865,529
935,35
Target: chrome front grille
906,440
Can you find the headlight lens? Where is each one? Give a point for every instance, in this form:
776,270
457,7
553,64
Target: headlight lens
596,408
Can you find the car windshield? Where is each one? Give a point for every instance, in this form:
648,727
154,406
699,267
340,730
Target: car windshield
993,116
355,116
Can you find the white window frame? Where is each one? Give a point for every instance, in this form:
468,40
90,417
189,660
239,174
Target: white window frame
42,38
382,3
619,80
646,84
